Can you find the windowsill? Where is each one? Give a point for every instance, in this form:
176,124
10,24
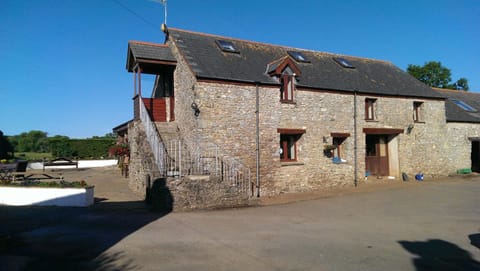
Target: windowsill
293,163
371,120
287,102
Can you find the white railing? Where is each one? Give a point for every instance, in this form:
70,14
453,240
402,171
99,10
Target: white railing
206,159
153,138
177,159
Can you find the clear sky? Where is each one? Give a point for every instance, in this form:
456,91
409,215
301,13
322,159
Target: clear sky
63,62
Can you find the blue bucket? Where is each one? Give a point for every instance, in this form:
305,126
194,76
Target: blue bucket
419,177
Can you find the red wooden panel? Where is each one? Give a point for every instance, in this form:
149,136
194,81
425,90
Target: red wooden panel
156,108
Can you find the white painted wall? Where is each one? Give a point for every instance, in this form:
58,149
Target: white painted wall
81,164
24,196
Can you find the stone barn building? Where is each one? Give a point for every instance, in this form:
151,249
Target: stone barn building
228,120
462,110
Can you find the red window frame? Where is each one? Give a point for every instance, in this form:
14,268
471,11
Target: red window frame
370,109
287,81
417,107
288,143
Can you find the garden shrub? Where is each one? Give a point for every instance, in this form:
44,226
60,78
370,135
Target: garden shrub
81,148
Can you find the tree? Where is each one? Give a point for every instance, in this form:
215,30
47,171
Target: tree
33,141
6,148
461,84
110,135
434,74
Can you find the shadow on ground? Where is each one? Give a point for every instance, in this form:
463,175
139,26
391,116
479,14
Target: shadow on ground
475,240
64,238
436,254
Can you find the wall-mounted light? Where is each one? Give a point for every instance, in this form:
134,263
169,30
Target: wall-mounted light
410,128
195,109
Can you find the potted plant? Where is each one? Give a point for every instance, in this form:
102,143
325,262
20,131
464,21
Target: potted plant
119,150
328,150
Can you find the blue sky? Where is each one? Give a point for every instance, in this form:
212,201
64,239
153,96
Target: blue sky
63,62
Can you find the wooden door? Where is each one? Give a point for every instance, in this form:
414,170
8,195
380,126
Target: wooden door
376,158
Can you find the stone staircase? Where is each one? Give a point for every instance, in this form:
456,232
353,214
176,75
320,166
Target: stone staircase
180,160
168,131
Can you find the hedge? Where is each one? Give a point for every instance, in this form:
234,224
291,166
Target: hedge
81,148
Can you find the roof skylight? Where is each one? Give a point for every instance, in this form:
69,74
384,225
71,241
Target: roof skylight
227,46
298,56
343,62
463,105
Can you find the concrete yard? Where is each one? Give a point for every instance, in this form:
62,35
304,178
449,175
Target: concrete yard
430,225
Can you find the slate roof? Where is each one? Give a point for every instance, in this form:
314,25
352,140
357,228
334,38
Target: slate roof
138,51
122,128
370,76
453,112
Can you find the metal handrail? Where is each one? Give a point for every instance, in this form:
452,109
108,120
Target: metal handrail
153,138
178,158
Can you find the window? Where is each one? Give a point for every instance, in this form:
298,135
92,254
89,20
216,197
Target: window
163,85
287,89
343,62
288,148
417,111
227,46
338,140
298,56
288,144
463,105
370,109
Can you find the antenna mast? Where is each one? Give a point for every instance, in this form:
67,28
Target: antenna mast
164,3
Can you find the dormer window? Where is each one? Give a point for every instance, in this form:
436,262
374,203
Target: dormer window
298,56
227,46
286,72
287,89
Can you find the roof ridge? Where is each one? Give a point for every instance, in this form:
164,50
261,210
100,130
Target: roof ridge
455,91
277,45
148,43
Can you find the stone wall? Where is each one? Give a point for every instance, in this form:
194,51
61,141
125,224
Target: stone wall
459,145
186,193
228,119
320,114
227,115
141,159
185,96
422,148
204,192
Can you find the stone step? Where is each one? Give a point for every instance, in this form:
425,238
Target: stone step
168,131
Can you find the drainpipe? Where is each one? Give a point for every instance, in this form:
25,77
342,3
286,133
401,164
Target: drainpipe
355,143
257,113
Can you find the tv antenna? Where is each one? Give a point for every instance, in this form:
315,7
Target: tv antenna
164,3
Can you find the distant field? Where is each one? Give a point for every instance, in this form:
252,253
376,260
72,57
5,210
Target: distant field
33,155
